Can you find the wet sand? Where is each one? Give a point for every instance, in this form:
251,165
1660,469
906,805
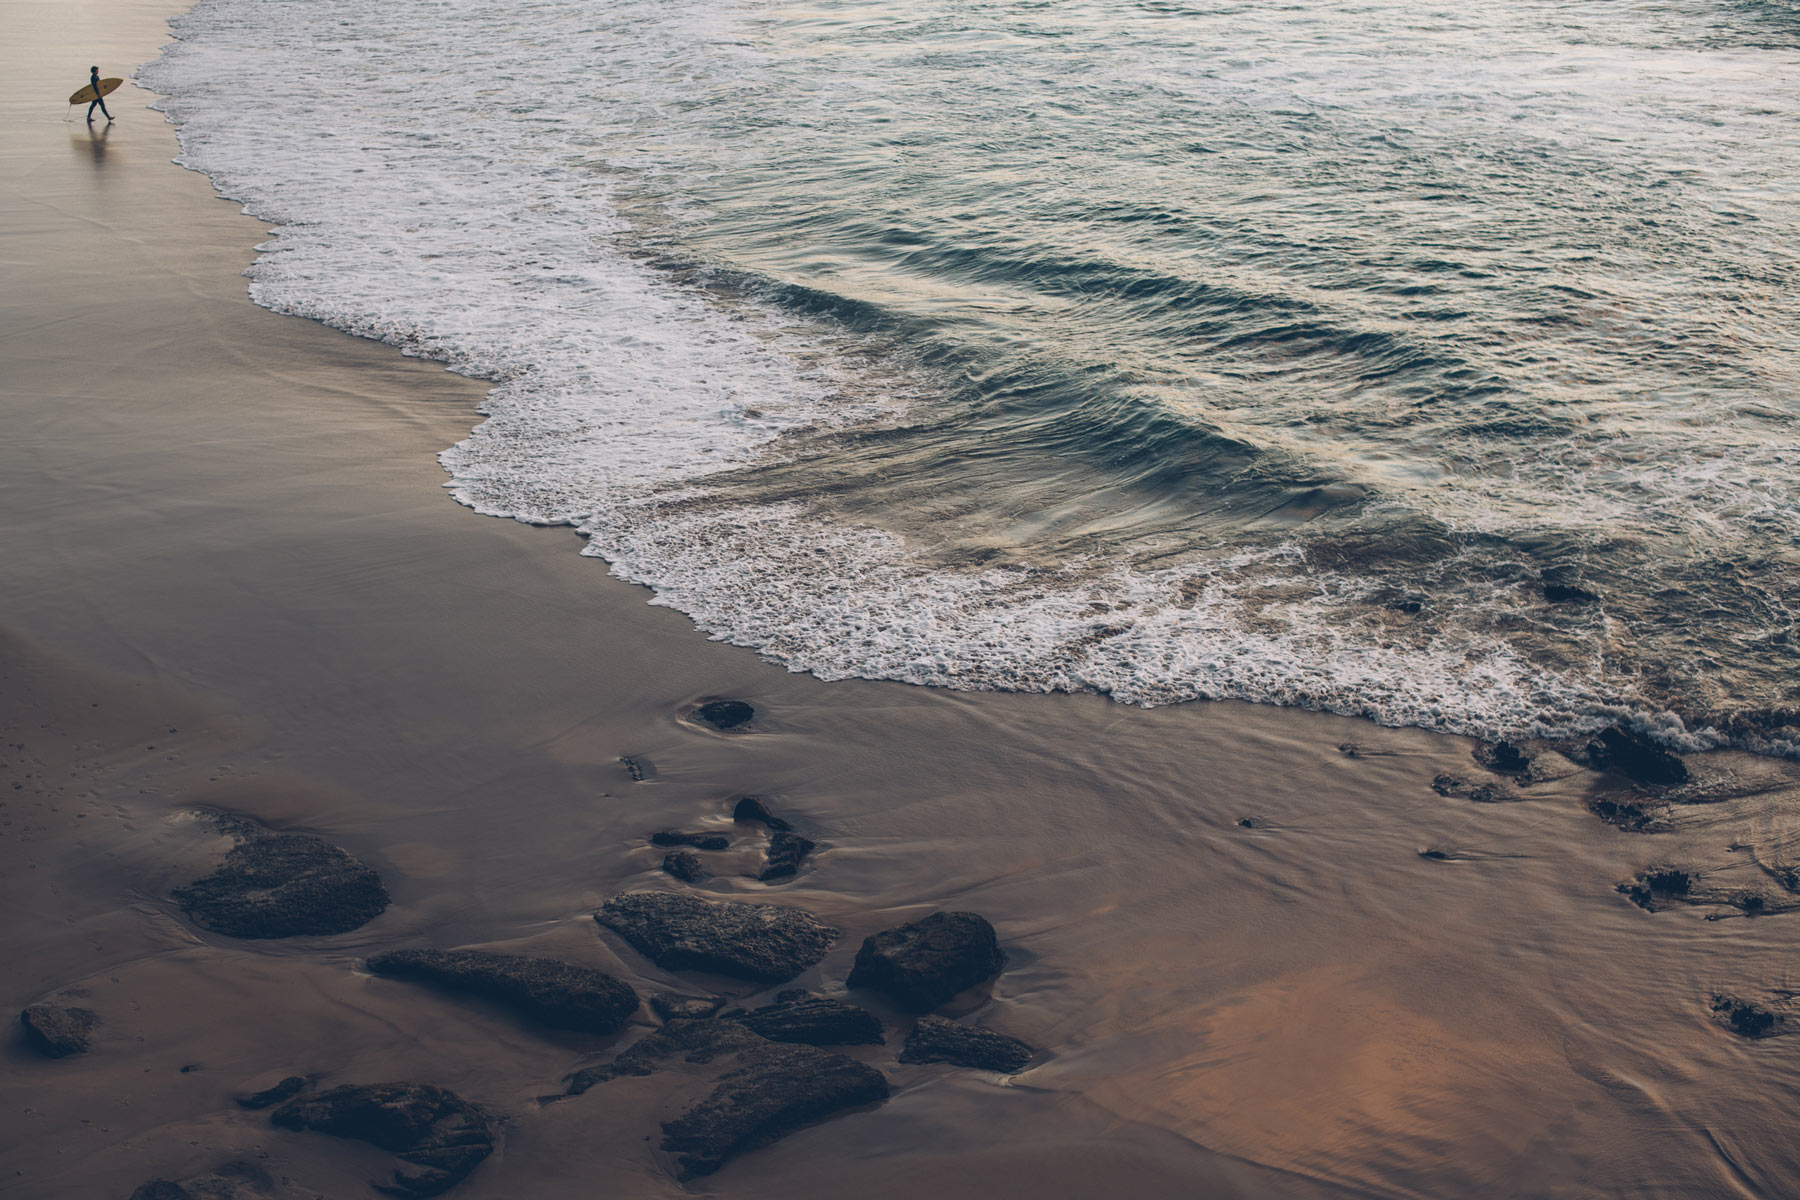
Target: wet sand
233,581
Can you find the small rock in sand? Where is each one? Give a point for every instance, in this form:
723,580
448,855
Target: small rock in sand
276,885
546,991
436,1135
724,714
684,865
764,1090
923,964
785,854
808,1019
934,1039
293,1085
57,1032
1747,1019
768,943
1502,758
1655,887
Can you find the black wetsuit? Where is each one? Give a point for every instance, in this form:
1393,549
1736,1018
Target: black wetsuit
99,101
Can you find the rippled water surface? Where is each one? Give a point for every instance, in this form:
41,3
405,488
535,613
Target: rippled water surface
1399,359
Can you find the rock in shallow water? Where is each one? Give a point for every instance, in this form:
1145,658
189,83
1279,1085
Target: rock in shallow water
293,1085
275,885
700,841
1636,756
764,1090
684,865
768,943
1747,1019
233,1181
546,991
672,1006
934,1039
724,714
801,1017
436,1135
57,1032
923,964
786,852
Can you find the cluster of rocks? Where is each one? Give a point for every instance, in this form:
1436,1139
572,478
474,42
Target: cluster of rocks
773,1066
774,1073
783,855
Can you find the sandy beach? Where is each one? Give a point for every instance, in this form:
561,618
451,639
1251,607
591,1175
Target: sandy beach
1256,952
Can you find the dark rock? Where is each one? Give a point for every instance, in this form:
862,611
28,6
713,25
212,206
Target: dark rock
765,1090
639,769
275,885
437,1136
813,1021
767,943
1628,815
1249,823
1489,793
57,1032
724,714
233,1181
671,1006
547,991
934,1039
1448,785
1745,1018
1436,855
1636,756
1568,593
699,841
1502,758
291,1086
684,865
1653,887
752,810
785,854
923,964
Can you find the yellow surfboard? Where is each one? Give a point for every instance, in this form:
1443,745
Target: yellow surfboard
88,95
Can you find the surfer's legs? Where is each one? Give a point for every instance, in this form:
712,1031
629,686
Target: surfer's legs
101,105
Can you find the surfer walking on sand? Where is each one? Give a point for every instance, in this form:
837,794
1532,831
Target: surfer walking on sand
99,100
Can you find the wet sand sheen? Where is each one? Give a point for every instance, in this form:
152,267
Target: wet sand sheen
228,532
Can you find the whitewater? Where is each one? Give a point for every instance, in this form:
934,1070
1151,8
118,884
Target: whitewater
1424,365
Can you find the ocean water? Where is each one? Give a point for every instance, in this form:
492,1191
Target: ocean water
1425,362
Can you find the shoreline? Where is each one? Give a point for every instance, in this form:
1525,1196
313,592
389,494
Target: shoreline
1243,972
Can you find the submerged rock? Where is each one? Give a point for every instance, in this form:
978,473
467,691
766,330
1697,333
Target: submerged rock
436,1135
1636,756
232,1181
724,714
1628,815
684,865
546,991
934,1039
293,1085
57,1032
768,943
671,1006
276,885
764,1090
699,841
923,964
785,854
1568,593
812,1020
1747,1019
751,810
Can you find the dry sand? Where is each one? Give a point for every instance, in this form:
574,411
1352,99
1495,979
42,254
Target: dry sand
232,581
